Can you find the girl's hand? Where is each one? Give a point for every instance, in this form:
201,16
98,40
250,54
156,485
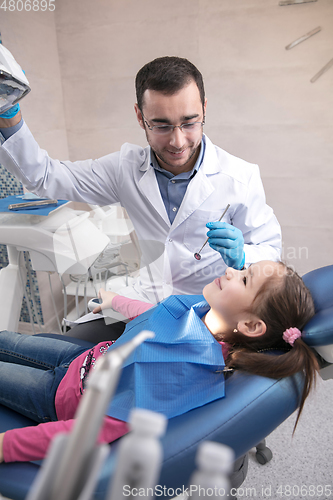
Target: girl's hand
106,300
2,435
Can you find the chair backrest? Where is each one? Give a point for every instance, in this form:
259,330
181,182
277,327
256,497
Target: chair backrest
318,333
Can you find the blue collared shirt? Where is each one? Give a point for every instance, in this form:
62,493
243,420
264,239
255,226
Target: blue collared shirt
173,187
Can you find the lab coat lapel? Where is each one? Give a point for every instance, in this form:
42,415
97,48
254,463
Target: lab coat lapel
149,188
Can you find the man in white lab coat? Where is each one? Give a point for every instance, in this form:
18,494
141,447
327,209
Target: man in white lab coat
171,189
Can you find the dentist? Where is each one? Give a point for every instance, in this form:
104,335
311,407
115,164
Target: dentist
173,190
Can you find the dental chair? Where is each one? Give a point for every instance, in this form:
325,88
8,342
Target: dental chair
251,409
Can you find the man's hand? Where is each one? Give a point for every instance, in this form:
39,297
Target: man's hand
228,241
10,117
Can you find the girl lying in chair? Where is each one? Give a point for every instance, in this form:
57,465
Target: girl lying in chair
248,312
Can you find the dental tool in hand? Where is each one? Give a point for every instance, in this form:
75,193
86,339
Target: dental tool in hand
197,255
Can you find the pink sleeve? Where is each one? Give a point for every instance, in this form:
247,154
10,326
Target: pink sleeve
130,308
31,443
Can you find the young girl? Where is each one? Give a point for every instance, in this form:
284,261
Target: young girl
249,312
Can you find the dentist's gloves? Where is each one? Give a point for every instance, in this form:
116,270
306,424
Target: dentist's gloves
11,112
228,241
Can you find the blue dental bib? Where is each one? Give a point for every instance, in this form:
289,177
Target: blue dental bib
177,370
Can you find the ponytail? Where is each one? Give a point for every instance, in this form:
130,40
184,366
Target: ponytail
297,359
281,303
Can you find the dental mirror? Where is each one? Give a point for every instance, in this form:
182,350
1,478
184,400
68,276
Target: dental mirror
197,255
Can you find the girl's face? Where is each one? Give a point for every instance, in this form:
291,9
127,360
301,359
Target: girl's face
231,295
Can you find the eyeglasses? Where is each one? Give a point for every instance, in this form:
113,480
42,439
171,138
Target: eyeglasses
186,128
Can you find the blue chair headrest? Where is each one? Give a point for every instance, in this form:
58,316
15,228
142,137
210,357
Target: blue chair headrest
319,330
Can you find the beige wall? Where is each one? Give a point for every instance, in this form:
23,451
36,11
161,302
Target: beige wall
81,61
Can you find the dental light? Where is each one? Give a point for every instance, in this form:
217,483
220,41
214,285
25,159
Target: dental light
13,82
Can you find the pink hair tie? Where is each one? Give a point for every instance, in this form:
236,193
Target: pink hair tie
291,334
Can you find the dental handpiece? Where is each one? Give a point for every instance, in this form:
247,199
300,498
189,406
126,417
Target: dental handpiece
197,255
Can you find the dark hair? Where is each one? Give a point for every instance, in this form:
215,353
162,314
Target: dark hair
282,302
167,74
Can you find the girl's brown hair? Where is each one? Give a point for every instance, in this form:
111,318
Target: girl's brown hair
282,302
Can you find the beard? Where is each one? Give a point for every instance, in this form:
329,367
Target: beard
162,155
159,154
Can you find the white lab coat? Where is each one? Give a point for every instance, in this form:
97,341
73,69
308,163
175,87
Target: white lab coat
127,177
